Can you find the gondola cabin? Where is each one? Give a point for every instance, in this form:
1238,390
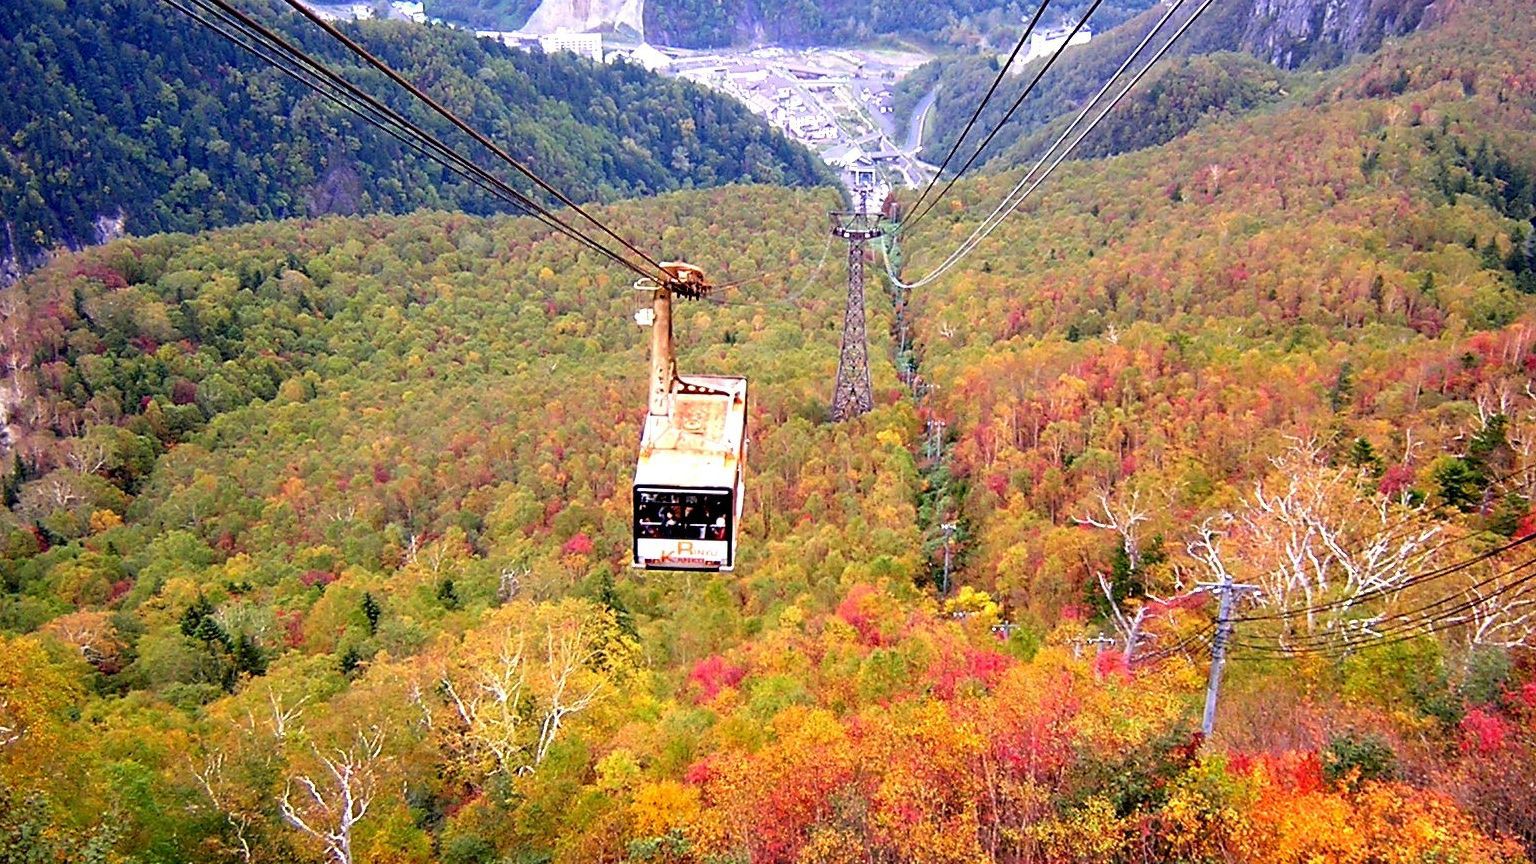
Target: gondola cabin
688,482
688,485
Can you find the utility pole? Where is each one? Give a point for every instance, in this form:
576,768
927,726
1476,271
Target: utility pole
1099,643
1227,591
852,394
949,542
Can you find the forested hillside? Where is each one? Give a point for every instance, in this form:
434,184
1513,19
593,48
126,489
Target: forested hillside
483,14
702,23
130,111
720,23
1355,275
1277,37
315,544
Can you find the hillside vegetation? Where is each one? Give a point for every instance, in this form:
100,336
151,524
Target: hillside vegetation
335,510
130,110
1193,87
484,14
722,23
1261,50
703,24
1356,274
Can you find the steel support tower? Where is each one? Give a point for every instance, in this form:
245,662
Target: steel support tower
852,394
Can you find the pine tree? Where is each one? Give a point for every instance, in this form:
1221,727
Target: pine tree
608,595
1492,260
351,659
371,611
447,594
1343,386
1363,455
193,617
249,658
11,490
1460,484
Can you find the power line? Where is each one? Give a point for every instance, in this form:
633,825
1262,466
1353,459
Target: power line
996,82
1429,612
794,296
436,142
469,130
1413,622
1199,636
1008,115
1400,622
1418,579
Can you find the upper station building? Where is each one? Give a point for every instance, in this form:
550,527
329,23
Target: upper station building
1044,42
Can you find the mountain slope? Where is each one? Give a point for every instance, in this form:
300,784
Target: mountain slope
128,116
1168,321
354,490
375,458
709,24
1285,34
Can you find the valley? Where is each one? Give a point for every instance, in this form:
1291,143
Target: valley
318,520
837,103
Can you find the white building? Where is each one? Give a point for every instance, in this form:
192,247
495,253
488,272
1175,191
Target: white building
588,45
510,38
416,12
844,156
341,11
648,56
743,77
1042,43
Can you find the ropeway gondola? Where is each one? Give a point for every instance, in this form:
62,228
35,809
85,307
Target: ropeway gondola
688,485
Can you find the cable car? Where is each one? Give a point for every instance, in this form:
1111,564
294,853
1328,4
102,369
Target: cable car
688,486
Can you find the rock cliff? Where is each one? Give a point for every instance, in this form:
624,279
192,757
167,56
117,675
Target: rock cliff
1289,33
582,16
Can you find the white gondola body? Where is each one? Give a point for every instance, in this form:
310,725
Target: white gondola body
688,486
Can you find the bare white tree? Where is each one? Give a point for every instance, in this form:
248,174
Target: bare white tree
1123,515
10,730
330,809
489,706
1502,613
511,582
345,511
1205,547
87,455
508,693
1128,627
211,777
568,651
57,490
17,388
417,697
283,716
1522,441
1311,534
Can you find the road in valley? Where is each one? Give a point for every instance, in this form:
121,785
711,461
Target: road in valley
915,125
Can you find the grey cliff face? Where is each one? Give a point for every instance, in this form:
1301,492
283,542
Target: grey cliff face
1289,33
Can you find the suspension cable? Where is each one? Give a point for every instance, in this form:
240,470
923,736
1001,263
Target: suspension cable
469,130
996,82
1427,613
1008,115
1366,596
273,49
1002,211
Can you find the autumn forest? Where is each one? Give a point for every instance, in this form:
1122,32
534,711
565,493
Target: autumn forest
316,536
